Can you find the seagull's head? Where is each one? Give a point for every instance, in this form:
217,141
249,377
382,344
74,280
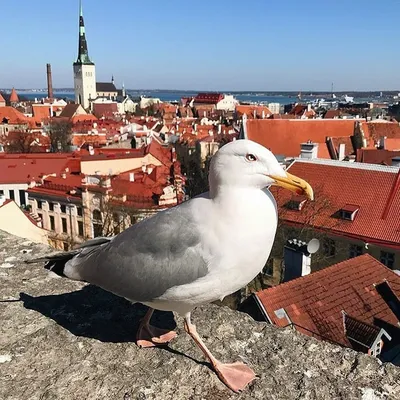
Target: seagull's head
244,163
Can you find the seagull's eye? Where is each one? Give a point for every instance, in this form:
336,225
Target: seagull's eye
251,157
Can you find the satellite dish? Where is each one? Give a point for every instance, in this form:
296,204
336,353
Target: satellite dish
313,246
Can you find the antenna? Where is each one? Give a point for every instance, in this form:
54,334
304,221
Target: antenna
313,246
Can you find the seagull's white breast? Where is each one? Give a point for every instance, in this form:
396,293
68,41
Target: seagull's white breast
238,249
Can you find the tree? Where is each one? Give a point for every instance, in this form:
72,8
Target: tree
18,142
60,135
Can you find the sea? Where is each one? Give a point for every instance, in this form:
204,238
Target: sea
168,96
172,96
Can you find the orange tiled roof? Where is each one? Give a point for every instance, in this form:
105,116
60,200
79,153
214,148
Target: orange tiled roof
376,156
250,110
374,189
314,303
23,168
379,129
283,137
12,115
41,112
14,97
392,143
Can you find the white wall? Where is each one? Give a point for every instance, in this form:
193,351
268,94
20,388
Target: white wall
228,103
85,84
15,222
16,187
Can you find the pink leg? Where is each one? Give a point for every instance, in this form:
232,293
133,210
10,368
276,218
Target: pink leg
150,336
236,376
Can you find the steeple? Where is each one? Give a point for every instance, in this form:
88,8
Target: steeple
83,54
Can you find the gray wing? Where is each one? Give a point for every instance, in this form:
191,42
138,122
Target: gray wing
148,258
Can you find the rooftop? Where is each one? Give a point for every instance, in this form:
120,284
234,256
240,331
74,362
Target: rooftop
374,188
284,136
24,168
66,339
315,302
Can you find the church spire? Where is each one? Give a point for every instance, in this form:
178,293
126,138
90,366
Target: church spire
83,54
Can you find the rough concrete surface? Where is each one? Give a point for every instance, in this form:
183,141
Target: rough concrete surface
66,340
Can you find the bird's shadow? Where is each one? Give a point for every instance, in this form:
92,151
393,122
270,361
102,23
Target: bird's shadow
94,313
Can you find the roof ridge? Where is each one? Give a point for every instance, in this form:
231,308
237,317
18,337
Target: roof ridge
323,270
348,164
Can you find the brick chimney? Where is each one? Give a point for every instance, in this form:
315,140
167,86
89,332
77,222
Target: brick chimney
49,82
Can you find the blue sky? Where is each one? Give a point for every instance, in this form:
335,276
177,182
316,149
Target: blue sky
206,45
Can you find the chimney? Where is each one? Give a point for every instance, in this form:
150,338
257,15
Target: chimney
219,129
63,175
91,150
308,107
131,177
49,82
309,150
173,154
342,151
396,161
263,114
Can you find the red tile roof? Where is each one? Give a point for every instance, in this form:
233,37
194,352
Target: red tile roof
83,118
283,137
253,111
41,112
24,168
14,97
314,303
375,189
107,110
376,156
380,129
392,143
208,98
13,116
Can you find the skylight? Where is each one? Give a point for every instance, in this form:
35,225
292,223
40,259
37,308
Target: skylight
348,212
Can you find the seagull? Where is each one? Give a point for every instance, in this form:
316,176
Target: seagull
195,253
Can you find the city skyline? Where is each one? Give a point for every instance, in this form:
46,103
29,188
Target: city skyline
220,46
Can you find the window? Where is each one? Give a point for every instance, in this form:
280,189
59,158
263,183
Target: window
52,224
12,195
80,228
66,246
329,247
1,192
63,208
355,250
40,216
387,259
97,215
79,211
39,204
348,212
51,206
64,225
22,199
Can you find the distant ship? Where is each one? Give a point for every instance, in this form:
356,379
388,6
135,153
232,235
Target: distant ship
348,99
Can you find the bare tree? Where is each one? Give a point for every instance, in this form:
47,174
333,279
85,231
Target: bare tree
60,135
18,142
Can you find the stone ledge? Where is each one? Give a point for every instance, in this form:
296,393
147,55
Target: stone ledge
66,340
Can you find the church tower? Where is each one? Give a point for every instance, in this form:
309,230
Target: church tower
84,70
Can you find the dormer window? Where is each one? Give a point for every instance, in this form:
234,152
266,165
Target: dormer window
296,203
348,212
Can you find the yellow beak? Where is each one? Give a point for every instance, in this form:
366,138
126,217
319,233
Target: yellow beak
294,184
